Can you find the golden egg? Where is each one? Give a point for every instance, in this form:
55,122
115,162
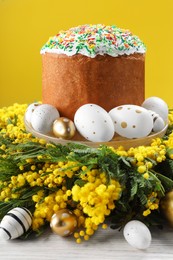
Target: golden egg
166,206
64,128
63,222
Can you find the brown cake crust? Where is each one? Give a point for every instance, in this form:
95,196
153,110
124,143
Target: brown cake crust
71,81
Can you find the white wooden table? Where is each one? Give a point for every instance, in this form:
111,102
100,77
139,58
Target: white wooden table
104,245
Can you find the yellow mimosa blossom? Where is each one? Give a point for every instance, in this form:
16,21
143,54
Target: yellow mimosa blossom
94,188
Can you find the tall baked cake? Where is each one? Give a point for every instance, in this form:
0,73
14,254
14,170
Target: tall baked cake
97,64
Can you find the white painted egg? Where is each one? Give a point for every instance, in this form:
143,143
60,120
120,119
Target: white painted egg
94,123
157,105
137,234
158,122
131,121
15,223
43,117
30,109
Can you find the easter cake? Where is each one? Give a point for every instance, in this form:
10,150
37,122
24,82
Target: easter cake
98,64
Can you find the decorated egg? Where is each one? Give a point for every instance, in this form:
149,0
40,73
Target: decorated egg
166,207
43,117
131,121
157,105
158,122
137,234
94,123
15,223
30,109
63,222
64,128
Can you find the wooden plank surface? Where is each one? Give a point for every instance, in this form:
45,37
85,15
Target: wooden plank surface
104,245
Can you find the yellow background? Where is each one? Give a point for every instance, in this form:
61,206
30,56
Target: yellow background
25,26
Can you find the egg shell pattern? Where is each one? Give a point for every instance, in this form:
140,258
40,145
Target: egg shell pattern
43,117
158,122
63,222
30,109
63,128
157,105
94,123
5,234
131,121
15,223
137,234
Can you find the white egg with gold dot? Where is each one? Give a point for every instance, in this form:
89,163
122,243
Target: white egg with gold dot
131,121
30,109
94,123
43,117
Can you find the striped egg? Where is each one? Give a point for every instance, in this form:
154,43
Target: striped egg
15,223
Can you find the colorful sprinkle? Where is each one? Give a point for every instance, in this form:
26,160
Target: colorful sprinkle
91,40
